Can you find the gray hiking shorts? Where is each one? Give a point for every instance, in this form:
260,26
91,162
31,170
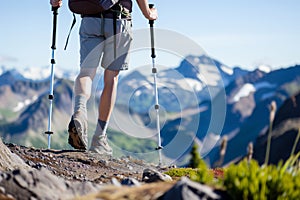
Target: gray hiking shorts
99,44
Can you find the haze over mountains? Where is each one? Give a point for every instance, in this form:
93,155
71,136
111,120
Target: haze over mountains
198,97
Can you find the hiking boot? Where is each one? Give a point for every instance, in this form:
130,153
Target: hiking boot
77,129
100,145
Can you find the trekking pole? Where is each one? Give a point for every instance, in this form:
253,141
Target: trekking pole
154,72
51,96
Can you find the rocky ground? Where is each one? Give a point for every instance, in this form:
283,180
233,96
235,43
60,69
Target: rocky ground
76,165
68,174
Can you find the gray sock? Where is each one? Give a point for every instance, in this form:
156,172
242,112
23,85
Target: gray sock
80,103
101,128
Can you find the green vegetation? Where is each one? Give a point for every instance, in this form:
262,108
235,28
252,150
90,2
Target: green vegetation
250,181
195,161
59,140
197,171
179,172
37,142
131,144
138,148
202,175
6,115
247,180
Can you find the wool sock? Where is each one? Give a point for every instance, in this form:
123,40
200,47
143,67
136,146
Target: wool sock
101,128
80,103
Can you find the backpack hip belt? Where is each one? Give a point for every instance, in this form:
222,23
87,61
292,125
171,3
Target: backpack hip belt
109,15
117,11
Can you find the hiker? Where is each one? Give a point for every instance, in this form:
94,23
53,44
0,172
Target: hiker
91,36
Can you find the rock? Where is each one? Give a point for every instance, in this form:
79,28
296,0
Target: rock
151,175
130,182
130,167
2,190
185,189
41,184
104,162
120,176
82,188
5,196
115,182
8,160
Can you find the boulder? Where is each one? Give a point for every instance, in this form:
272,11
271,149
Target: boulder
10,161
185,189
41,184
152,175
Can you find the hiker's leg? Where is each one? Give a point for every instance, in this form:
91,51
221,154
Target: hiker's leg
78,125
113,61
108,96
83,88
91,49
107,101
83,82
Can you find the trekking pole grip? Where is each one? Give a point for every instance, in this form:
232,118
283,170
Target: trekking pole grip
55,13
54,9
151,22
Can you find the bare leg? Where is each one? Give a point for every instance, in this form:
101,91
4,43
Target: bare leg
107,101
108,96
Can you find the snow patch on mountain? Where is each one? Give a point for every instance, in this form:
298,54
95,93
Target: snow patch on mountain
35,73
38,73
265,68
2,69
22,105
42,73
196,85
245,91
227,70
248,88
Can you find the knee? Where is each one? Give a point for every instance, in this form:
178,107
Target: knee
87,73
111,78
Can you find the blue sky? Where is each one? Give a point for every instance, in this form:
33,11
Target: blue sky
244,33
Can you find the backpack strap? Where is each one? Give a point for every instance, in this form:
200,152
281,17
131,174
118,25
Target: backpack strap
117,13
72,26
115,34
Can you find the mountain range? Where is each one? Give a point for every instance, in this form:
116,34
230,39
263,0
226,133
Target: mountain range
191,98
24,108
179,88
247,113
252,112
